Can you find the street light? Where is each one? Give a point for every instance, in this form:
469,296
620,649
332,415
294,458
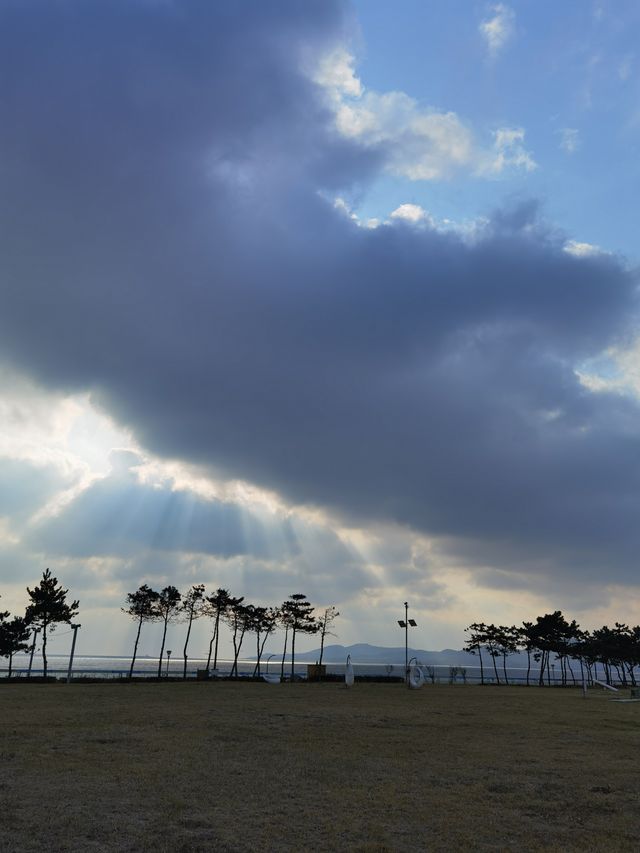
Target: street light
404,623
73,648
168,656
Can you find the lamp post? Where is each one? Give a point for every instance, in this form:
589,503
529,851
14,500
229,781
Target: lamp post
168,658
73,648
404,623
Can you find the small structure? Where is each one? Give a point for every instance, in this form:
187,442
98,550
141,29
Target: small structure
316,671
416,677
349,676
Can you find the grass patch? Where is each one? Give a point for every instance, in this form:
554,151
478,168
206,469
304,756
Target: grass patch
296,767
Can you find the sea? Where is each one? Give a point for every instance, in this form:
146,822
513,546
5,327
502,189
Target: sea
102,666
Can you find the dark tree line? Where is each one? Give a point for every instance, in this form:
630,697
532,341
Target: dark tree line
295,616
606,653
48,608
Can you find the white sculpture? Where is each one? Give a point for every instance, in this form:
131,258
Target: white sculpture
349,677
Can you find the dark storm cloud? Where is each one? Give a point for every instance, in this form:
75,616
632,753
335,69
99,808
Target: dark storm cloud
166,244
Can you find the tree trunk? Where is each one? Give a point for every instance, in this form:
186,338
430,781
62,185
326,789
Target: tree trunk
293,650
135,648
323,632
213,636
164,635
256,669
215,654
495,668
504,668
236,650
481,666
186,643
528,665
284,653
632,674
10,663
543,659
44,648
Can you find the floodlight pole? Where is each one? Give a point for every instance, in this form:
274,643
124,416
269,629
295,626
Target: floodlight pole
73,648
404,623
406,642
36,631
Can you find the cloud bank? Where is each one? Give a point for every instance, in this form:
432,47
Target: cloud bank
166,245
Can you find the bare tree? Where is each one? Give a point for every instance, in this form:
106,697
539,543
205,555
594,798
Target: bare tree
329,614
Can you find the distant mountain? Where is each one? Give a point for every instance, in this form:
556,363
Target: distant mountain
365,653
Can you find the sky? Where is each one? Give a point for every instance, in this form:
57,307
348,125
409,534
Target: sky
324,297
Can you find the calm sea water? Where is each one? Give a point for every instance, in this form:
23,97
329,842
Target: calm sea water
118,667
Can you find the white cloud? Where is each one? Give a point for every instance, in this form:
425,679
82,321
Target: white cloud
569,139
421,143
411,212
336,73
498,29
582,250
508,152
618,369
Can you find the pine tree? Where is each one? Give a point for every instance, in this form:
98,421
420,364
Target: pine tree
140,607
48,608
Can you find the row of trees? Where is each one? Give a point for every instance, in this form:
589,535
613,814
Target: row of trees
552,640
296,616
47,608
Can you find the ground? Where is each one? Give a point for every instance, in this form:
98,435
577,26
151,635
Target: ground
296,767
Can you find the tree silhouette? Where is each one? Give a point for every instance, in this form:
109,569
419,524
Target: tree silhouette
217,605
329,614
527,641
166,609
507,639
262,623
300,619
48,608
140,606
475,641
239,617
14,637
192,608
551,634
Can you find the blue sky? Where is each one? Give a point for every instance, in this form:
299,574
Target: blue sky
564,73
324,297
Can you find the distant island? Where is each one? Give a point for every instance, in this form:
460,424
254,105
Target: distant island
366,653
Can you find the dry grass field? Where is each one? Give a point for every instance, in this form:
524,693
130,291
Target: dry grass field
296,767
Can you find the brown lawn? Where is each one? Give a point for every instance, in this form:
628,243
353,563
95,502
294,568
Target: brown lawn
296,767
